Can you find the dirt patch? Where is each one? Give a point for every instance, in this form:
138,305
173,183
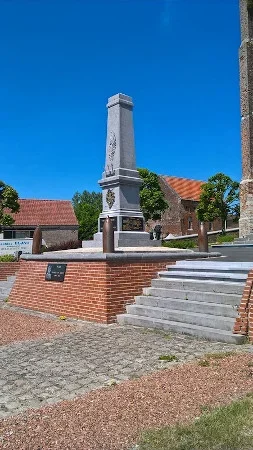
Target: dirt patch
15,327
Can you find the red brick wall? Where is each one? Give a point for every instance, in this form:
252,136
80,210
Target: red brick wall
7,269
244,322
95,291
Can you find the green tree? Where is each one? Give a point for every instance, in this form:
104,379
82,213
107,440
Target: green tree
219,198
8,204
87,207
250,4
152,200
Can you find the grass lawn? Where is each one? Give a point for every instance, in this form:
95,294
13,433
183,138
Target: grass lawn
225,428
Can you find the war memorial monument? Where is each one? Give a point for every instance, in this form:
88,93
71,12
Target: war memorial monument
120,181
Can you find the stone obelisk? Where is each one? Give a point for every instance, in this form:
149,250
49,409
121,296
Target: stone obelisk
120,181
246,94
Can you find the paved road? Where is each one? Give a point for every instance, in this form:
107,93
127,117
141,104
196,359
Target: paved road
35,373
234,253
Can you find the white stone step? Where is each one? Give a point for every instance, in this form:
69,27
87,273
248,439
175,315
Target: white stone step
209,333
205,320
6,287
199,285
199,296
221,276
217,265
200,268
188,305
11,278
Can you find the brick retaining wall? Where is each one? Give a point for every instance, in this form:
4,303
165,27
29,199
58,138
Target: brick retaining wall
92,290
7,269
244,322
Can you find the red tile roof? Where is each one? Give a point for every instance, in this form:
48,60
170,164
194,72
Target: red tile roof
45,212
185,188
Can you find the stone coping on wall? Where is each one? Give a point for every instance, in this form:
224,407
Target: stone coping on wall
119,256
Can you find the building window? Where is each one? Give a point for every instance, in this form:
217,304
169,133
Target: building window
210,226
18,234
189,223
8,234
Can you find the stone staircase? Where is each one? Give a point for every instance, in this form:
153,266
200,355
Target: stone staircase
6,287
198,297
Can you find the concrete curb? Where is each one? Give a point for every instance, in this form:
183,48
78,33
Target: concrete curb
118,257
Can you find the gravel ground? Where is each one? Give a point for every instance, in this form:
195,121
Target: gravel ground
112,418
45,371
15,327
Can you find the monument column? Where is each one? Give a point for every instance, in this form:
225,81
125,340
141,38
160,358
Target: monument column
246,95
121,181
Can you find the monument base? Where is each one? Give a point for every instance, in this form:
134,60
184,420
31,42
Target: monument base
124,239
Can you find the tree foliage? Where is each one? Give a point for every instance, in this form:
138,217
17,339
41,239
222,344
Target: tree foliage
250,4
219,198
8,204
152,200
87,206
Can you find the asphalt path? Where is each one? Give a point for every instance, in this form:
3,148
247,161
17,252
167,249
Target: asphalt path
234,253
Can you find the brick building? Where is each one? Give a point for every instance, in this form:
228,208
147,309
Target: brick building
182,195
55,217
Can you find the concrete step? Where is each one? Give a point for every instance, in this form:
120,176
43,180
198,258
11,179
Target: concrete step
6,287
216,265
199,296
5,292
188,305
205,320
6,284
209,333
226,276
198,268
223,287
11,279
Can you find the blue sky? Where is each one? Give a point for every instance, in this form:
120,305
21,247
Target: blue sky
60,61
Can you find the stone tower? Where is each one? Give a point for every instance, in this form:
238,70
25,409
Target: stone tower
246,88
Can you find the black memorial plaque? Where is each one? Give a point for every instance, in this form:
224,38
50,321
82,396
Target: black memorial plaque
132,224
55,272
114,222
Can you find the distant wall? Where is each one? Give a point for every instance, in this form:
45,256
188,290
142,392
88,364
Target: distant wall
56,236
212,235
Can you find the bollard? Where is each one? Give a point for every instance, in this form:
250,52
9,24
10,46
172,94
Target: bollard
37,241
202,238
108,236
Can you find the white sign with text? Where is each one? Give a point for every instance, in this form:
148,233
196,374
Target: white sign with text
11,246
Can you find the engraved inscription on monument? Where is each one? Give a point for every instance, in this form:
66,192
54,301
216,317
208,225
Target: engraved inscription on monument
55,272
114,222
132,224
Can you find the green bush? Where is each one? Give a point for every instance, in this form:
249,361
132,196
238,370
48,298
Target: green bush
178,243
7,258
225,238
